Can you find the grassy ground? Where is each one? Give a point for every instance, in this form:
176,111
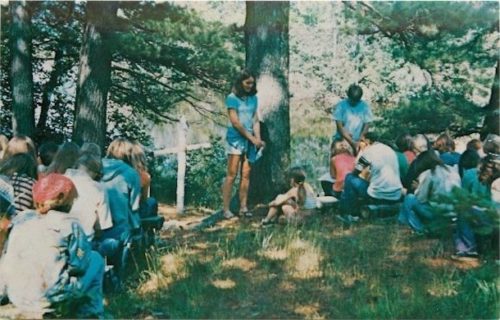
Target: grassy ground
318,270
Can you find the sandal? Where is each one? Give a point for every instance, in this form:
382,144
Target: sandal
228,215
246,213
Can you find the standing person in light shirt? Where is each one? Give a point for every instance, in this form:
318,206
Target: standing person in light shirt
243,133
352,117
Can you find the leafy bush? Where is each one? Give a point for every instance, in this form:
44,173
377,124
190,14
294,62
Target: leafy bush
206,169
164,178
311,153
466,206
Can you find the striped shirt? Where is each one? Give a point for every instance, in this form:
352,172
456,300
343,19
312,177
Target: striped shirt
23,195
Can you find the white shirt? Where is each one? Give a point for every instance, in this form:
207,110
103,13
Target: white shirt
439,181
384,172
31,264
91,207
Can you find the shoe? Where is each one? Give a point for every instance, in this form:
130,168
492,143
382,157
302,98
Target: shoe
228,215
246,213
348,219
265,222
465,256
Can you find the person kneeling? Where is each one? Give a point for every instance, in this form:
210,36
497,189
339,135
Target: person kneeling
298,203
48,260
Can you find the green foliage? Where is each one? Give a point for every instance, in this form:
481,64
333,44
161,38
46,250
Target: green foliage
429,112
164,54
164,179
313,155
205,173
482,214
206,169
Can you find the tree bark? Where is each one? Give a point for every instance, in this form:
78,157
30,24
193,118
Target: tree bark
94,77
23,120
49,90
492,110
267,55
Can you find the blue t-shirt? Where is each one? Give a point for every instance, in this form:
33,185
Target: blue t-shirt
450,158
352,117
246,109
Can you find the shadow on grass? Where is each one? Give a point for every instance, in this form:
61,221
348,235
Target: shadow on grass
317,270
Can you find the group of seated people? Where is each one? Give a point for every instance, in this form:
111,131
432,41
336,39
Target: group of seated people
416,174
414,177
64,210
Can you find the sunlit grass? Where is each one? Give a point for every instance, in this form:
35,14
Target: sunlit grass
319,270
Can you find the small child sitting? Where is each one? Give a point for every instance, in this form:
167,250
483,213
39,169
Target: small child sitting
293,206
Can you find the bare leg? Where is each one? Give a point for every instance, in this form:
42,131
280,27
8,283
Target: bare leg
290,213
244,183
232,170
271,214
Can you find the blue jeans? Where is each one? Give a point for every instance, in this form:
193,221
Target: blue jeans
415,213
465,238
149,208
354,194
91,285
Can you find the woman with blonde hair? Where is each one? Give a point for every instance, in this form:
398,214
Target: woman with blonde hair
20,144
122,184
3,145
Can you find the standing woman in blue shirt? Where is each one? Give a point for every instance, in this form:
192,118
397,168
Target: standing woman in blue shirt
242,131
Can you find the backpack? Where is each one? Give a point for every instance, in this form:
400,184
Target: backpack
78,248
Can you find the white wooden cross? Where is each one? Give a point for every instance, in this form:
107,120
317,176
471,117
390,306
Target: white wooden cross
180,149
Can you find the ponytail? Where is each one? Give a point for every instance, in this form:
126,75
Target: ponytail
299,177
301,194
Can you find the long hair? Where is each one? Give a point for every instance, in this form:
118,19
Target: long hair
20,163
91,148
92,164
3,145
238,88
20,144
444,143
489,169
404,142
427,160
298,176
138,157
120,149
64,158
340,146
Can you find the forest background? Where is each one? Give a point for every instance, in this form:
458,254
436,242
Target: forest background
426,67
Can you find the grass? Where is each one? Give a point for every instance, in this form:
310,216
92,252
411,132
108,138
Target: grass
318,270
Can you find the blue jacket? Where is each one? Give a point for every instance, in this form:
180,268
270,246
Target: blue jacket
123,187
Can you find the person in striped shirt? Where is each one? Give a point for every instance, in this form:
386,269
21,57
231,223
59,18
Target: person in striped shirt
20,169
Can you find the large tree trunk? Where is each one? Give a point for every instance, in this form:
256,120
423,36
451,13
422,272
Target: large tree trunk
492,110
23,120
48,91
267,55
94,77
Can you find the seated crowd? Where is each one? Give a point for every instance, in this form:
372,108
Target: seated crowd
416,175
64,212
